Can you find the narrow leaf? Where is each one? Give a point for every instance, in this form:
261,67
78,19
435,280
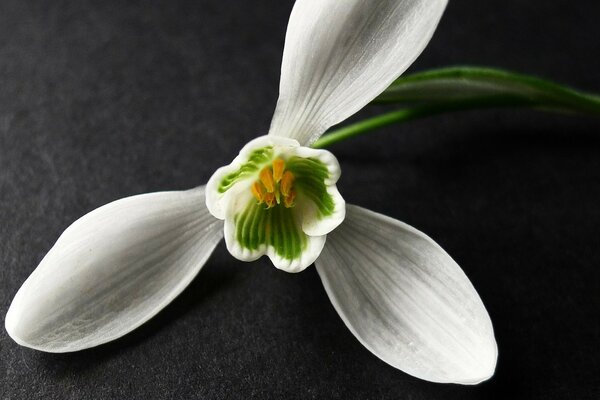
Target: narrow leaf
483,87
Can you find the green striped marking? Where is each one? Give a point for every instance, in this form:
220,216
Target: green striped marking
310,174
275,227
257,159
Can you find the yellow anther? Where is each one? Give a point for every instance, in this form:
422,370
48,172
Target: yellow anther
278,167
275,186
288,201
258,190
266,177
286,183
269,200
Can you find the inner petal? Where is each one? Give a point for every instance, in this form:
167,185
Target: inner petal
277,199
310,175
258,226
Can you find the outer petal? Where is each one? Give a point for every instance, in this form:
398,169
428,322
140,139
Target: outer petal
406,300
112,270
339,55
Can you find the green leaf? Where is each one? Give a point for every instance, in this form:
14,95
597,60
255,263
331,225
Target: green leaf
486,87
453,89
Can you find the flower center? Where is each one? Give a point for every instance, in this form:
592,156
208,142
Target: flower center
275,185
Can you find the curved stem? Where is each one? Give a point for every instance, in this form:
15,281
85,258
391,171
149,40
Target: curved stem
367,126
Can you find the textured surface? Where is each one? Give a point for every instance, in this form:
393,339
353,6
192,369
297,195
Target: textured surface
329,72
113,269
406,300
101,101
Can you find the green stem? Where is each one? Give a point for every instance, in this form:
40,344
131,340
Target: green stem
466,88
367,125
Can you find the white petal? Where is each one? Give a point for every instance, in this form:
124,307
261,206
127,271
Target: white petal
339,55
312,224
112,270
314,244
406,300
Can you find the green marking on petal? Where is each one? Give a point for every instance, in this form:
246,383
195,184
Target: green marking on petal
311,174
256,160
276,227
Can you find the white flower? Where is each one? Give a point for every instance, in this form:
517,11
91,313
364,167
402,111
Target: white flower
277,198
398,292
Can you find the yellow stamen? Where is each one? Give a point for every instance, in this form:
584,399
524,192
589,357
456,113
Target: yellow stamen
288,201
278,167
286,183
266,177
258,190
275,186
270,200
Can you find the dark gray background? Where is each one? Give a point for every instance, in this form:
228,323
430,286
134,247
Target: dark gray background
102,100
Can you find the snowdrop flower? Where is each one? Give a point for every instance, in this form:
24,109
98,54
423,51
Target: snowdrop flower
397,291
